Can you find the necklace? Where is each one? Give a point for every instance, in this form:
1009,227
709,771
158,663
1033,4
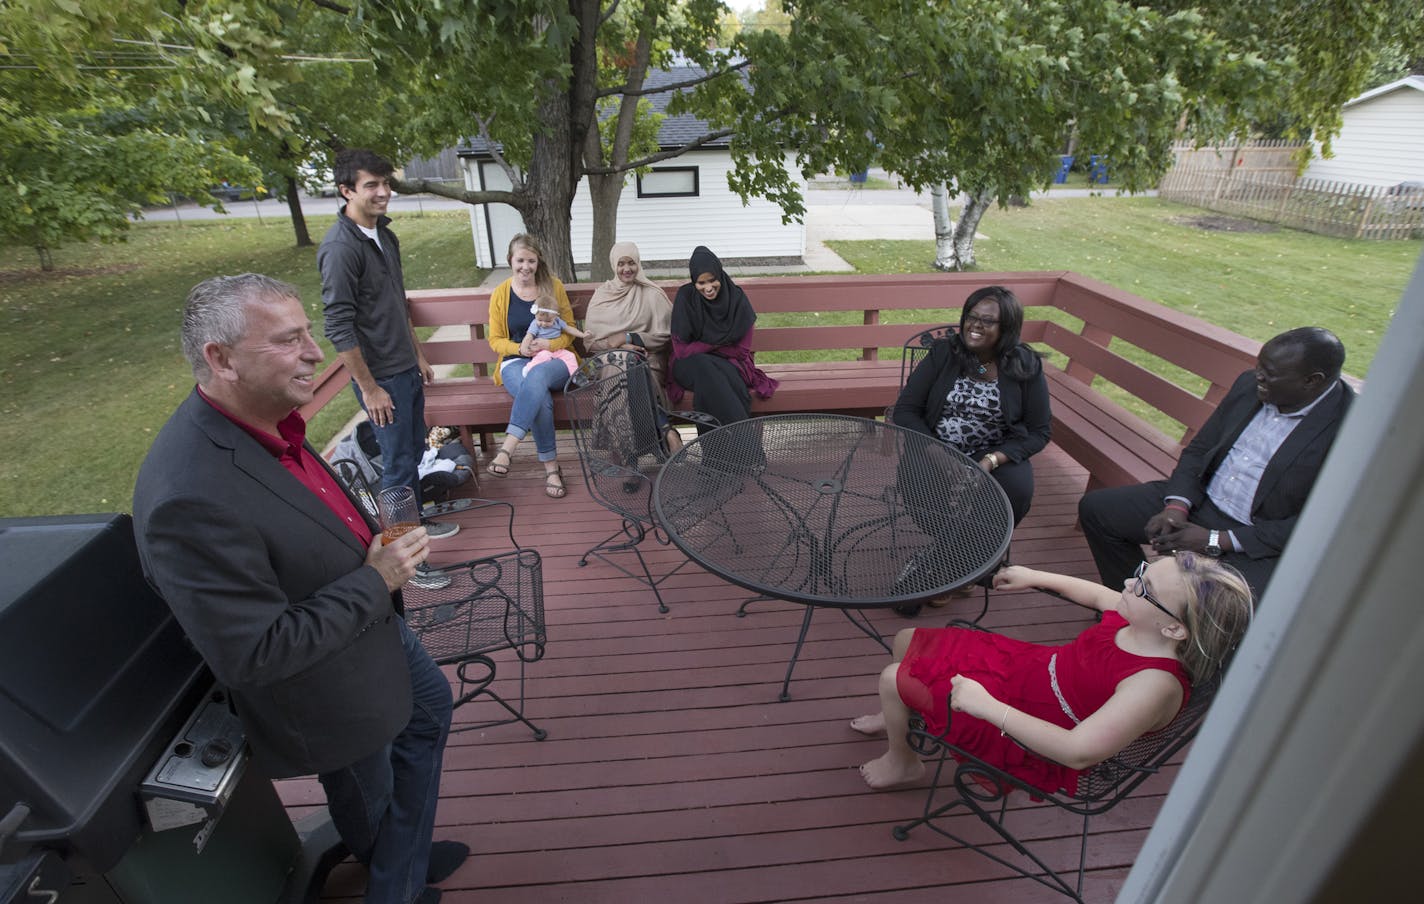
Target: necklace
983,370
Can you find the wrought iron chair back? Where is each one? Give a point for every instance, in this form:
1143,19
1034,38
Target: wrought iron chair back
620,429
984,789
613,406
915,350
918,346
350,473
491,604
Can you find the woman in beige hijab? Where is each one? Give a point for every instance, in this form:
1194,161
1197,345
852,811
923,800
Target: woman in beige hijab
630,310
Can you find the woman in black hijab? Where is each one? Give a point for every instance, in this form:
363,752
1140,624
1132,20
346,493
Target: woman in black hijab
712,325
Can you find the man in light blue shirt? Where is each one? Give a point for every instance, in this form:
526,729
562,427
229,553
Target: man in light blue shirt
1242,481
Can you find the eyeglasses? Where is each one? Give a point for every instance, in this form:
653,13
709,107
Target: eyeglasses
985,322
1139,587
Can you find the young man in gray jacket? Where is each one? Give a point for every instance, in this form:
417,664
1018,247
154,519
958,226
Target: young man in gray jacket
366,319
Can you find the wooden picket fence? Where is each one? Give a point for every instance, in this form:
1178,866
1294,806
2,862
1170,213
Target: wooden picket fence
1258,181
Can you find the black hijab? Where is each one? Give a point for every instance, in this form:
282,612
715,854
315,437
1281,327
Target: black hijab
722,321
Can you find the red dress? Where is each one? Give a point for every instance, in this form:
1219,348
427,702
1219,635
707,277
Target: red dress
1088,670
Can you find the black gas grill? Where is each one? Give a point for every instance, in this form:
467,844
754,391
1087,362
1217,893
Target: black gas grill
122,773
95,677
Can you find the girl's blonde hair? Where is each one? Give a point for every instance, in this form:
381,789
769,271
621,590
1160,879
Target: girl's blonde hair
543,278
1217,613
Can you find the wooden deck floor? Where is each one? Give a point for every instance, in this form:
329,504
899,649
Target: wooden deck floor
670,771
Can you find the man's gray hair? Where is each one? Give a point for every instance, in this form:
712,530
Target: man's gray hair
216,311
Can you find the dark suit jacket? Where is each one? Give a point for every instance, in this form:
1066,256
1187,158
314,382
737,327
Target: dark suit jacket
272,589
1024,402
1289,475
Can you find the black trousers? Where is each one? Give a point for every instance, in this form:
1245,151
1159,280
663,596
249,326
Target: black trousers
1016,479
1115,525
716,386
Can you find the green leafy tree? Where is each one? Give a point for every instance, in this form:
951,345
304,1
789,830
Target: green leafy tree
641,36
541,118
979,94
86,143
329,97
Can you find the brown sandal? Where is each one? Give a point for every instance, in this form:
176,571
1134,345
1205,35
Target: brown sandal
497,469
555,490
673,440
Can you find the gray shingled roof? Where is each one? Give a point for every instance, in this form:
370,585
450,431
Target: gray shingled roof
675,132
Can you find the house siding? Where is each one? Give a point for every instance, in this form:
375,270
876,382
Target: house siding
1380,143
665,229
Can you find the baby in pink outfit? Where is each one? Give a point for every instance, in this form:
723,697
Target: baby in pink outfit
549,325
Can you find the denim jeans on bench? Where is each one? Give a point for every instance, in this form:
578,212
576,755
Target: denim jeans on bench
533,409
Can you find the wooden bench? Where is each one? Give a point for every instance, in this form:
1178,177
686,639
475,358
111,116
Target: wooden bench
1113,444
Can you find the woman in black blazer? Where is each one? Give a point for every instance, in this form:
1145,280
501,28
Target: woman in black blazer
983,392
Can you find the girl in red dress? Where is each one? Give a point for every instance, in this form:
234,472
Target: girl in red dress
1172,625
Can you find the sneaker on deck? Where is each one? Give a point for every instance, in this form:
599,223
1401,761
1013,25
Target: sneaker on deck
429,578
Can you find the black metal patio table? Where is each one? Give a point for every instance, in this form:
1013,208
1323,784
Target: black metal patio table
835,512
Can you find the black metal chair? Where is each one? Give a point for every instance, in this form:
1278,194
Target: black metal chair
915,350
620,429
491,604
984,789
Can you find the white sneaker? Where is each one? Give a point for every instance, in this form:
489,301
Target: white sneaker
439,530
429,578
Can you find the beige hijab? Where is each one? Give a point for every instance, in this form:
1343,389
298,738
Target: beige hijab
637,307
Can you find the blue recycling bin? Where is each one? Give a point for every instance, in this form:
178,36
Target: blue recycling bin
1097,169
1065,164
860,177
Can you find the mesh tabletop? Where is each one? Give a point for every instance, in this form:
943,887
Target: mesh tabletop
833,511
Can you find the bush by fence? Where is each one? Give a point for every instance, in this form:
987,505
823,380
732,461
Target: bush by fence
1329,208
1257,179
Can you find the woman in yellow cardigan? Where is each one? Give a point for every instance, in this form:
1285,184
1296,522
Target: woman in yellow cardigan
511,311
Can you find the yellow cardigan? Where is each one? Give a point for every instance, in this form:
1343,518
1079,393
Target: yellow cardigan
499,339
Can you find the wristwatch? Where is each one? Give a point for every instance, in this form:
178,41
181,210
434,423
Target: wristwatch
1213,543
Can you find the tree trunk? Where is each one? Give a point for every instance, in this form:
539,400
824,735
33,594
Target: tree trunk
975,206
604,192
566,113
299,220
46,258
607,190
944,228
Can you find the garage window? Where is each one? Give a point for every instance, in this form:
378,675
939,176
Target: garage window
669,182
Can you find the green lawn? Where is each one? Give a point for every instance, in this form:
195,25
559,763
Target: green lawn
90,363
1257,283
91,366
1254,283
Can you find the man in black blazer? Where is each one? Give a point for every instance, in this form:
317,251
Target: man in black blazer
1243,479
282,583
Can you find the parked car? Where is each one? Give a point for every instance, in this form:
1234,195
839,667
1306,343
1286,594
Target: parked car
228,192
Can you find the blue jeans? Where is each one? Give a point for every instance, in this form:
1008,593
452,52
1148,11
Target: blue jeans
384,805
402,442
533,410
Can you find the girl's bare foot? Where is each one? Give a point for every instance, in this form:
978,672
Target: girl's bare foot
888,771
869,725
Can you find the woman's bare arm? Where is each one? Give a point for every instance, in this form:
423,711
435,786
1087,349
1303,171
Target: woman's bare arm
1143,702
1075,590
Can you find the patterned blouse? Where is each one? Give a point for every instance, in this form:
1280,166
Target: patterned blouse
972,420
